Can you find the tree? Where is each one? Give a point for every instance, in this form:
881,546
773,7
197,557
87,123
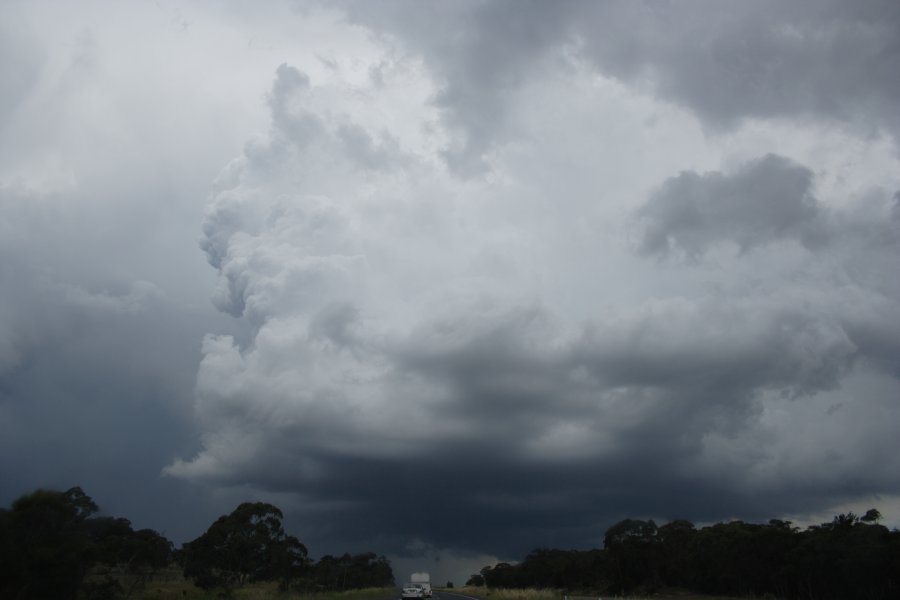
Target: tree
501,575
348,572
632,548
52,546
476,579
45,547
675,539
247,545
851,557
872,516
135,556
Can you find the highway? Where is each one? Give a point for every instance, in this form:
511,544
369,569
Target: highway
444,595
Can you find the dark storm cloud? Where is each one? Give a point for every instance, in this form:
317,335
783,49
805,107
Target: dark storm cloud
474,500
635,414
94,382
97,398
766,200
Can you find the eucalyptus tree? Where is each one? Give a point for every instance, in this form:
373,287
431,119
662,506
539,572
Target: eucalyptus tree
248,545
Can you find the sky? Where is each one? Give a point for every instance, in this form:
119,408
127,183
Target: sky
451,281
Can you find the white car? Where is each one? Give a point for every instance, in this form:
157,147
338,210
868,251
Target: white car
413,590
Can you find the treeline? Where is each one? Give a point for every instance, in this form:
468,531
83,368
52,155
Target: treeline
849,558
54,546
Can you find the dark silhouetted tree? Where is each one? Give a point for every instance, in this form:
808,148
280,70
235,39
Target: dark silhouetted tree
674,544
850,558
632,548
52,546
45,547
872,516
135,556
348,572
247,545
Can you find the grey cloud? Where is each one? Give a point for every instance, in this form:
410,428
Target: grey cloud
770,200
361,147
498,47
292,120
101,328
766,200
725,61
367,365
481,53
593,396
98,394
735,60
20,64
288,114
532,420
487,494
725,350
336,324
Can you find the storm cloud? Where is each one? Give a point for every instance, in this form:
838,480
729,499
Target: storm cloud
769,199
726,62
451,281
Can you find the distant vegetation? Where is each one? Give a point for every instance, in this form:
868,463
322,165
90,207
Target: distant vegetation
54,547
849,558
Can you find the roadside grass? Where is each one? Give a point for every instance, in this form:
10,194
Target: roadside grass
178,588
508,594
173,588
549,594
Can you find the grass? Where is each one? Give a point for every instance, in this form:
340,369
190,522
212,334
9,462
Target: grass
178,588
504,594
545,594
172,586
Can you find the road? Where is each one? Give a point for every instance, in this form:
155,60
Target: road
444,595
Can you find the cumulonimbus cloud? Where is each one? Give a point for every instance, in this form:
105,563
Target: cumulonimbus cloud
368,360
